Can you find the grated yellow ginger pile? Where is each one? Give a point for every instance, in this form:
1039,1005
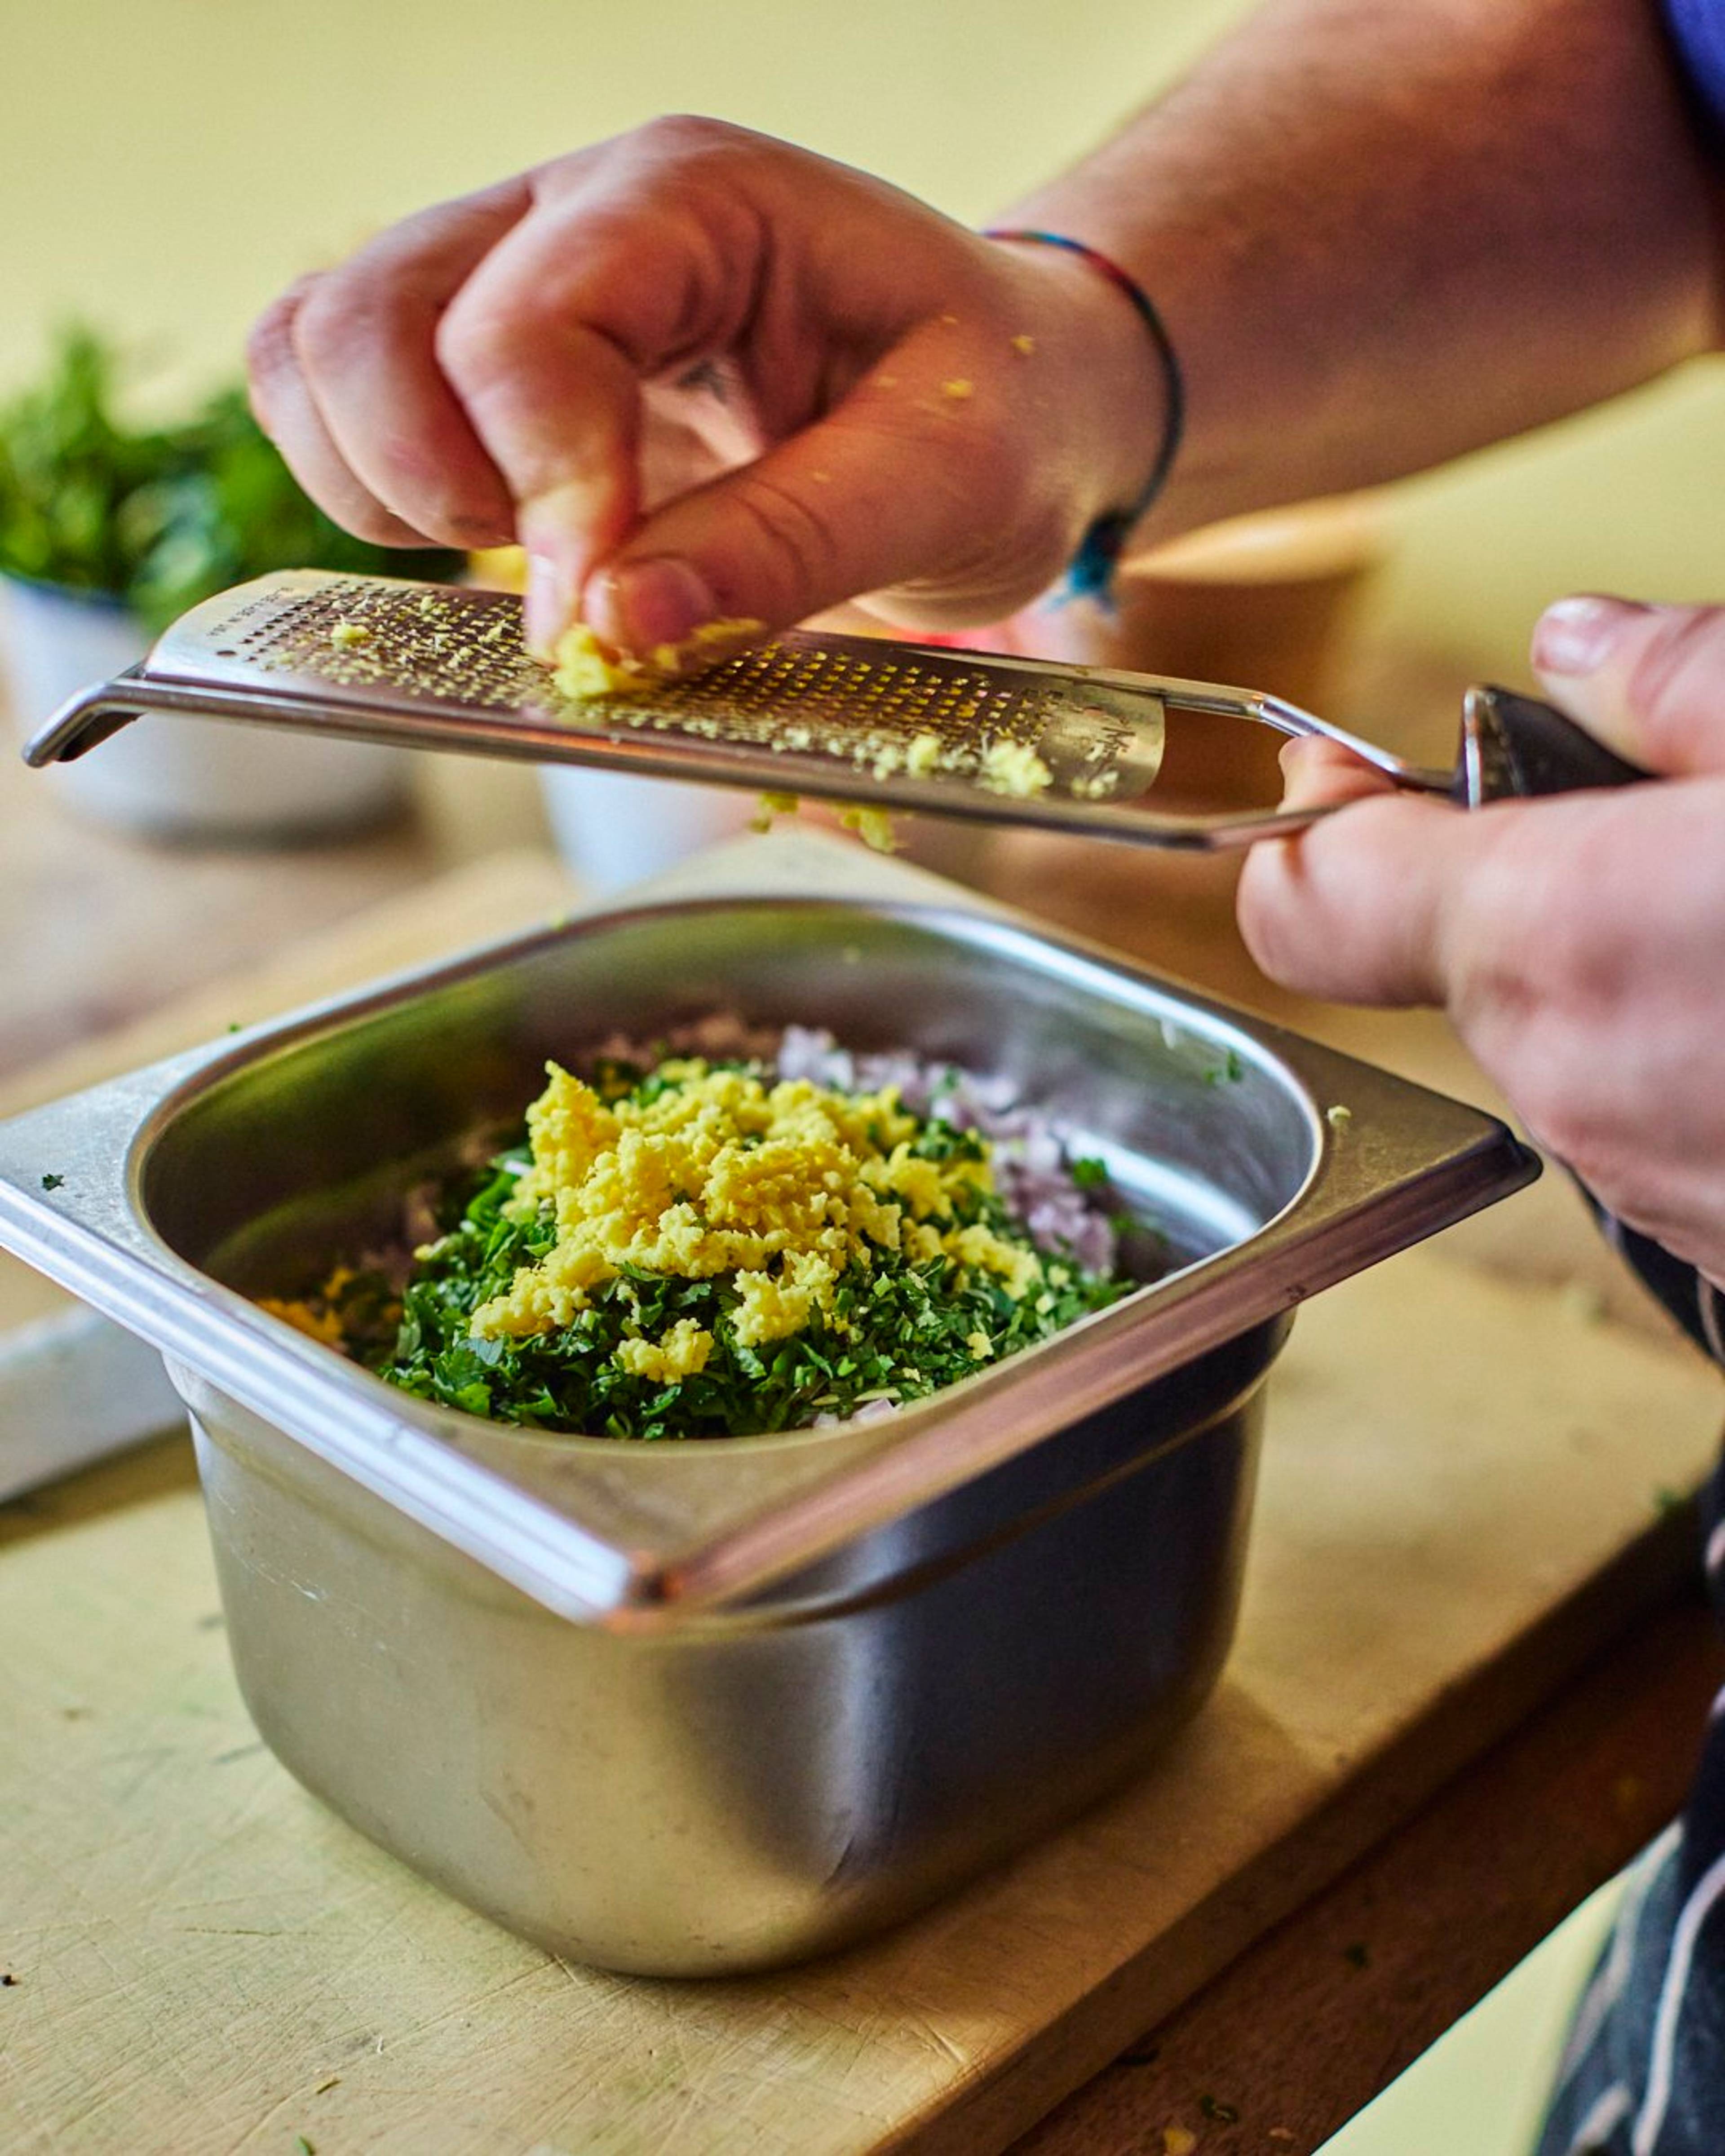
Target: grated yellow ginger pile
582,667
783,1185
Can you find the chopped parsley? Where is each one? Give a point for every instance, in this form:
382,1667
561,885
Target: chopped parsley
53,1182
898,1331
895,1327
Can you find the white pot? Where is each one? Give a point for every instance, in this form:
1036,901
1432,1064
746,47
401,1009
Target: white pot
613,829
173,778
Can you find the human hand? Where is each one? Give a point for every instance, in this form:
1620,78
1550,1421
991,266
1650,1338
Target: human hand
1578,942
699,374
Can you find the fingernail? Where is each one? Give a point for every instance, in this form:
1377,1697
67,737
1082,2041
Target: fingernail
548,606
640,605
1574,636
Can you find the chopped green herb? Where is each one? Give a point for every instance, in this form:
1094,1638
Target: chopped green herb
51,1181
908,1332
895,1327
1229,1072
1088,1173
161,517
302,2147
1225,2114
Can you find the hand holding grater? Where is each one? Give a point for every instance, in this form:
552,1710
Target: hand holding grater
898,726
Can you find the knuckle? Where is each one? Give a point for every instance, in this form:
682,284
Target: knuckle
357,309
269,350
476,343
688,134
327,323
270,341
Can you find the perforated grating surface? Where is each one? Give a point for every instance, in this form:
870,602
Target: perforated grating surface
884,710
425,642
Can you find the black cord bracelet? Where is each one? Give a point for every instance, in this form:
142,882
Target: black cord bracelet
1092,572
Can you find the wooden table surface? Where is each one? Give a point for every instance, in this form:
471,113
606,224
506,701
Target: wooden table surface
1306,2026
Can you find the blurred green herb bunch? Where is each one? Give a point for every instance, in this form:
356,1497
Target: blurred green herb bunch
159,517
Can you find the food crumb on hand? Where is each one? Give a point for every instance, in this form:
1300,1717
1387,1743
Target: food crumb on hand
1023,346
346,635
1179,2141
958,389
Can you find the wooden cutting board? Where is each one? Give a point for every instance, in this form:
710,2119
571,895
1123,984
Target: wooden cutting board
1467,1489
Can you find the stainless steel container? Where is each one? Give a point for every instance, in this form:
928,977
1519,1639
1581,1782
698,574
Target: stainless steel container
685,1708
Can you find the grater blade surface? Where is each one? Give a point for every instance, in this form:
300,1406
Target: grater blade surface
865,722
820,714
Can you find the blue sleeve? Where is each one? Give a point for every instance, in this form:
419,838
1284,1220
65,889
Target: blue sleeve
1697,36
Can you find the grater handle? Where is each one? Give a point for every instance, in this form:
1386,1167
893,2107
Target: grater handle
1513,747
86,720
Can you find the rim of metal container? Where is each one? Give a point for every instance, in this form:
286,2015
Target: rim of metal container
597,1530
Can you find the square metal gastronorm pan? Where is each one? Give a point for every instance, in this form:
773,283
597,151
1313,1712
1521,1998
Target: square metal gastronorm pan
685,1707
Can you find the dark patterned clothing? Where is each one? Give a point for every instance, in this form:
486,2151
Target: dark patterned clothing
1643,2073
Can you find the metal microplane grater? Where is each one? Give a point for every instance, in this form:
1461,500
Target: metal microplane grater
854,719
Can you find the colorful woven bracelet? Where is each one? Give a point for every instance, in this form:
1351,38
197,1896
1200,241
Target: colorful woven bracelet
1092,574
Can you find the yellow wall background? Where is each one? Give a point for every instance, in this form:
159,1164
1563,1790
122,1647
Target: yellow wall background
166,165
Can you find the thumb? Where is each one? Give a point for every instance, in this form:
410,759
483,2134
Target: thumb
767,543
912,483
1647,681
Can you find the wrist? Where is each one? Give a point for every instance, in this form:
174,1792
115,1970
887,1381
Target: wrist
1126,394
